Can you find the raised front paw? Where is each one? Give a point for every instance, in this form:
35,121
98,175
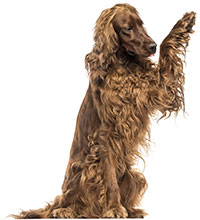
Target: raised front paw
186,23
118,212
189,20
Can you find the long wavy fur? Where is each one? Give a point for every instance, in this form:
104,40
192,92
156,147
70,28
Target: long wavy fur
101,179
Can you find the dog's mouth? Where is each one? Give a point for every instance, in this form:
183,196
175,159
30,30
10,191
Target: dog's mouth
132,53
148,51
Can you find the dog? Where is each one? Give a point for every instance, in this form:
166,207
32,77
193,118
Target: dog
125,90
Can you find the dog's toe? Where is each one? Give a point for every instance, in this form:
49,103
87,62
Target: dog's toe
118,212
63,213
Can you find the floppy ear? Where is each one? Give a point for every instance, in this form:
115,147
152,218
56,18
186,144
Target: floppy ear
106,43
106,39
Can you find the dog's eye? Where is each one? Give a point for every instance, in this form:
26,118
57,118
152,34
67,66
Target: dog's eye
128,29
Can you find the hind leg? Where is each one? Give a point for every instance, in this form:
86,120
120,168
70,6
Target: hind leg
132,187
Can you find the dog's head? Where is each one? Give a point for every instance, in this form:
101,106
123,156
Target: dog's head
120,28
132,34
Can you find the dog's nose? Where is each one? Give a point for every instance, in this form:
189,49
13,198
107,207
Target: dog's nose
152,47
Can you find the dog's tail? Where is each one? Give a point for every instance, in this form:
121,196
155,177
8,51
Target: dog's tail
46,212
32,214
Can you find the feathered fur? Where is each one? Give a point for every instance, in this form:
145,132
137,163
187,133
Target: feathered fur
125,89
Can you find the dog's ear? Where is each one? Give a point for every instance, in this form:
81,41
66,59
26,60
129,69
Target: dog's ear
106,39
106,43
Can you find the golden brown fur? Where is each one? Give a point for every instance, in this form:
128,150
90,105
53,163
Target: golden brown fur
126,88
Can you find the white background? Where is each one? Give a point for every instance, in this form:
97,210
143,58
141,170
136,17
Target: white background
42,84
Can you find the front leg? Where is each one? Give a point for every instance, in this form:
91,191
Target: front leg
114,206
174,45
168,95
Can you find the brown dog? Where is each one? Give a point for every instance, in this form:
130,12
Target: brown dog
126,88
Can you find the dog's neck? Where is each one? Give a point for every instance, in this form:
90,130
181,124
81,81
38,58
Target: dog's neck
133,60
